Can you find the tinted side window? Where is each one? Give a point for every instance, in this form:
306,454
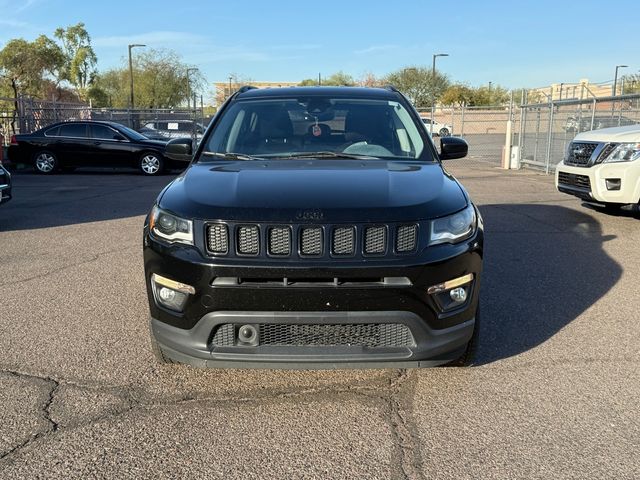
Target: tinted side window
102,132
52,132
73,130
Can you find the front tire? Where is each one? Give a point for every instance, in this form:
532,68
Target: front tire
155,348
151,164
45,162
467,359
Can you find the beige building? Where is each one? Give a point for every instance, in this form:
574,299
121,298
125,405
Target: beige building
580,90
225,89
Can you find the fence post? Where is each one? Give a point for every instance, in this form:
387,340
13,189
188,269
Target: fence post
550,139
523,117
506,159
464,104
593,113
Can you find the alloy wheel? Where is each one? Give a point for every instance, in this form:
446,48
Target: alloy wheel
150,164
45,162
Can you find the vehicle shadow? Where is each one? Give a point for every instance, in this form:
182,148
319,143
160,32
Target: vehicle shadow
544,266
42,201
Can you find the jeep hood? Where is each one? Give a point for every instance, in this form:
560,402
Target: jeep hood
314,190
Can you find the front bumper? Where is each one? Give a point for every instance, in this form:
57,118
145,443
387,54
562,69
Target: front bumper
627,172
438,336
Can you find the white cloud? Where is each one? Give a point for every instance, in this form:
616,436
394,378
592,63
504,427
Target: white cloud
375,49
155,38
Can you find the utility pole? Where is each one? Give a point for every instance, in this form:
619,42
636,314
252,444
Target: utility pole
230,78
319,79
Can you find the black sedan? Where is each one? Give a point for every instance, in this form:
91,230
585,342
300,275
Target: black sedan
68,145
5,185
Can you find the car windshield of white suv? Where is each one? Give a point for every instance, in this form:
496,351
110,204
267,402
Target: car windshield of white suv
318,127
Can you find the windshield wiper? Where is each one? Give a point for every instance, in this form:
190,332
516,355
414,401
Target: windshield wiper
231,156
327,154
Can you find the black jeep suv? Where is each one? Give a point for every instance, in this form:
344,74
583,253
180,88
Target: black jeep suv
314,227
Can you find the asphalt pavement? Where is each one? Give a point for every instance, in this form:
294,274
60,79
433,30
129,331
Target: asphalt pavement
554,395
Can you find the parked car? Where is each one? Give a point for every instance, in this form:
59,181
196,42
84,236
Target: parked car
67,145
315,226
603,166
5,185
167,129
439,129
583,124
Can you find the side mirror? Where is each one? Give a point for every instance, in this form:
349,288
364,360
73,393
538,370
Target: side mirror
179,149
453,147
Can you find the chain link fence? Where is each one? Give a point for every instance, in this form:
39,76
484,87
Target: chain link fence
25,115
546,129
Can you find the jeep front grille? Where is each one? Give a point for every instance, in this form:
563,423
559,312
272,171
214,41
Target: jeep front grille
248,240
375,240
369,335
344,239
280,241
407,238
218,238
311,241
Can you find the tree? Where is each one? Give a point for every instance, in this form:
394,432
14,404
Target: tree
419,84
370,80
28,65
338,79
160,81
80,59
631,83
458,95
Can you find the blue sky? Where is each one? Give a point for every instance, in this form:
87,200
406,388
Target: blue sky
514,44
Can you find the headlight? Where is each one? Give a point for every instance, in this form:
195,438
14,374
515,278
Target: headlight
454,228
170,227
625,152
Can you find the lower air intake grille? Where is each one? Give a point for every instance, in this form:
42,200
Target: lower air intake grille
280,241
218,238
375,241
407,238
372,335
248,240
580,181
311,241
344,241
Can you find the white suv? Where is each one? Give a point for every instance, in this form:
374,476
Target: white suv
603,166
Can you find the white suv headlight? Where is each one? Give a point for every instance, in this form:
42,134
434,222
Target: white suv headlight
454,228
624,152
171,228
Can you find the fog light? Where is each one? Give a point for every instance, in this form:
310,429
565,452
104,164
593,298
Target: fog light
458,295
169,293
613,183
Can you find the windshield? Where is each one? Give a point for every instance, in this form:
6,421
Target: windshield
330,127
131,133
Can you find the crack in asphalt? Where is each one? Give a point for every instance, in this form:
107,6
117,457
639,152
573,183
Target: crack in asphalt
403,440
401,429
45,410
66,267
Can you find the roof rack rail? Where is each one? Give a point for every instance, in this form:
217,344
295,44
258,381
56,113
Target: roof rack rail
246,88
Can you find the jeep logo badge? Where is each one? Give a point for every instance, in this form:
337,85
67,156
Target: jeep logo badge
310,215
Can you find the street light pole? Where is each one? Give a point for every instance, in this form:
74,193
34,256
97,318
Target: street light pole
230,78
131,71
189,88
615,79
433,84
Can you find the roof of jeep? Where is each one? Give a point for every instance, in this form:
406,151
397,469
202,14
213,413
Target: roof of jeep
287,92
